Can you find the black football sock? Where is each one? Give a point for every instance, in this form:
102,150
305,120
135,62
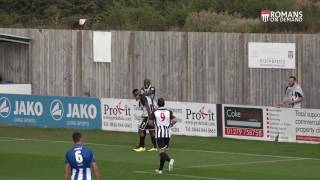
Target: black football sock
162,161
141,143
153,139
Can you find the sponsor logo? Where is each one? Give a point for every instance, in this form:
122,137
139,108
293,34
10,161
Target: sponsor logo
28,108
118,110
83,111
265,15
56,110
201,114
281,16
242,117
233,113
5,107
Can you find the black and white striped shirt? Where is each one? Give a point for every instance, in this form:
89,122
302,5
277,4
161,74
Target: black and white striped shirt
146,101
163,118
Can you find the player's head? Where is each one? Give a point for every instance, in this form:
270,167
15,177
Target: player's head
136,93
146,83
291,81
77,138
160,102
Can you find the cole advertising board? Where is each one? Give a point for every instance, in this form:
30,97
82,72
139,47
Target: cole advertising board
243,122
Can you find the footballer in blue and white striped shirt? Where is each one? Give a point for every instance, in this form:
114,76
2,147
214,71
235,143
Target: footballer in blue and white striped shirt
79,161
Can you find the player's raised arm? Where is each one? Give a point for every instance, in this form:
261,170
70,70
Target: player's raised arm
95,170
67,171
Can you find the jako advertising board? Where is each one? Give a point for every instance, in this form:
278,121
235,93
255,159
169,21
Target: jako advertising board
50,111
193,119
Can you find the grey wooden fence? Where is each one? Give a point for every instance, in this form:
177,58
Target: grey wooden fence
183,66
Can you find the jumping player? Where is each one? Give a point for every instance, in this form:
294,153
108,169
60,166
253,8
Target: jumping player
148,90
146,103
79,161
164,120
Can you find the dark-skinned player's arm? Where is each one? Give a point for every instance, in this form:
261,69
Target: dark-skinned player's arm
152,116
146,107
67,171
151,121
173,119
95,170
144,102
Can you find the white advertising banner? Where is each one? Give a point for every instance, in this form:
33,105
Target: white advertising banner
193,119
271,124
15,89
271,55
120,115
280,124
102,46
307,125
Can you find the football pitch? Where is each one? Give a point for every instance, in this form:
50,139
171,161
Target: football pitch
38,154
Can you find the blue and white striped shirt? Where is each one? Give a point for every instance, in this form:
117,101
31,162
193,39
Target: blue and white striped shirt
80,159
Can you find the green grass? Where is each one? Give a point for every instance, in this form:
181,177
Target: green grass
216,158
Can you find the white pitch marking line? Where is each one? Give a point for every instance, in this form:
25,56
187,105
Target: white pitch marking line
240,163
176,149
245,163
244,154
55,141
182,175
7,140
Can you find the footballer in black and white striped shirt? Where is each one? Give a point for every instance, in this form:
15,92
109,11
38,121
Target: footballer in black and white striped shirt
147,107
164,120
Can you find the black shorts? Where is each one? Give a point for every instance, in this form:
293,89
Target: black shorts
163,143
145,124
